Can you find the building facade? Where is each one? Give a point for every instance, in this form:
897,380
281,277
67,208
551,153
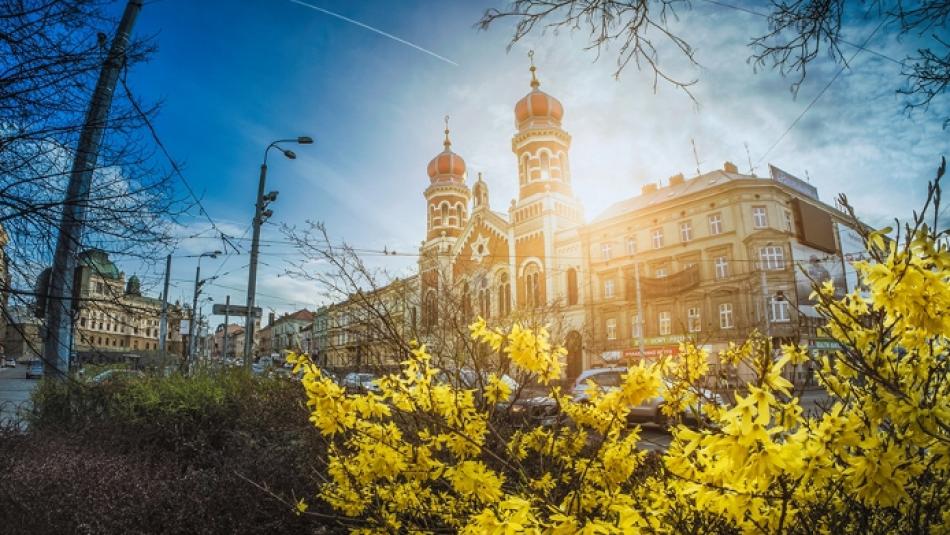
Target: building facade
709,259
112,314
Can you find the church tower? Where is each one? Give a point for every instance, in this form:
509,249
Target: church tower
546,206
447,197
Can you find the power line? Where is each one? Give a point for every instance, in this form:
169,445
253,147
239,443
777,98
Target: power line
820,93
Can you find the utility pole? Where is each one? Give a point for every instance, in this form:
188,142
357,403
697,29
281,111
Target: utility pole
194,316
163,322
695,156
252,268
765,299
636,275
227,307
59,326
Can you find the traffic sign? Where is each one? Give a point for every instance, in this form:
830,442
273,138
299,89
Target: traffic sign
234,310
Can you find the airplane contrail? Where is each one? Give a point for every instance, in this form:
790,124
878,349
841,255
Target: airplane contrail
375,30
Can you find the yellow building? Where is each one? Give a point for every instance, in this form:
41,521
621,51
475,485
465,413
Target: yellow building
716,256
114,316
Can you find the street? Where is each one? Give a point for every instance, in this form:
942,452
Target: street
15,391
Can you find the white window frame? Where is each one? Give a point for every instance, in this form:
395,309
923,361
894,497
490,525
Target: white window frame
722,267
715,224
778,310
605,251
772,257
665,321
657,238
635,327
608,288
631,245
686,231
760,217
725,316
694,321
611,329
789,224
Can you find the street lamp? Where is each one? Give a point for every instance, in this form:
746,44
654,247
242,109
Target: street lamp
260,214
194,305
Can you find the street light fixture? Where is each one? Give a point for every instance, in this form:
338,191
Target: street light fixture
194,306
260,213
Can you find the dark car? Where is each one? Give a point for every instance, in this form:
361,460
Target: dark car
9,362
35,371
525,409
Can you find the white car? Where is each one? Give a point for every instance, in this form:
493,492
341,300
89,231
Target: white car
650,410
360,382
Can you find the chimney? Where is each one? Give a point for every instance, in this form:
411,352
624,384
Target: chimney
730,167
648,188
677,179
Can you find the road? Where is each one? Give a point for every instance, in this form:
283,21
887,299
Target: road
15,391
656,438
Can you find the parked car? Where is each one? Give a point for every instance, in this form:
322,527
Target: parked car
524,410
116,376
35,371
9,362
360,383
650,410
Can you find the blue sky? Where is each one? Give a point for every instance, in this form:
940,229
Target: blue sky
235,75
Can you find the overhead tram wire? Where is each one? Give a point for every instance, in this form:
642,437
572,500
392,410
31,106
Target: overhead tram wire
155,137
820,93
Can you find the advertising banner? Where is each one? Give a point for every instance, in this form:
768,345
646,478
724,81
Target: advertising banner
853,250
814,267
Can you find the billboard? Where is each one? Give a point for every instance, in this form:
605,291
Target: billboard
793,182
813,266
853,249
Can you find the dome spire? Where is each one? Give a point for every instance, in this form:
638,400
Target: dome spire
534,79
447,143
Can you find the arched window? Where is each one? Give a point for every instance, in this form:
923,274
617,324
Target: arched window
571,286
532,284
484,300
430,310
460,210
444,208
466,302
565,170
524,172
545,165
504,296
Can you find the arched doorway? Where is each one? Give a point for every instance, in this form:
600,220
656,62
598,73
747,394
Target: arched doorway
575,355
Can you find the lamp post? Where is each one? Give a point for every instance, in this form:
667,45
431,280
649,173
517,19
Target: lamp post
260,213
194,306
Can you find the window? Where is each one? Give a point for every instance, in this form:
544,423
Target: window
722,267
611,329
772,258
725,316
484,301
605,251
571,286
504,297
82,322
789,224
533,286
657,238
686,231
715,224
99,287
608,288
759,218
635,326
778,310
631,245
660,272
693,320
666,323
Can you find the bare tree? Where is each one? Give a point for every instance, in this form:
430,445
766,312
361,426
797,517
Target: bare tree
799,31
51,52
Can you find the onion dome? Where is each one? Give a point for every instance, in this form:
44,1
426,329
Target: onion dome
537,107
447,166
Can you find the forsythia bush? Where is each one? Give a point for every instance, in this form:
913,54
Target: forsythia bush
421,455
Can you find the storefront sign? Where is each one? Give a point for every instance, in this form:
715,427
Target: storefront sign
610,356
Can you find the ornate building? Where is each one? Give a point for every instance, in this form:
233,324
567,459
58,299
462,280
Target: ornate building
522,261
